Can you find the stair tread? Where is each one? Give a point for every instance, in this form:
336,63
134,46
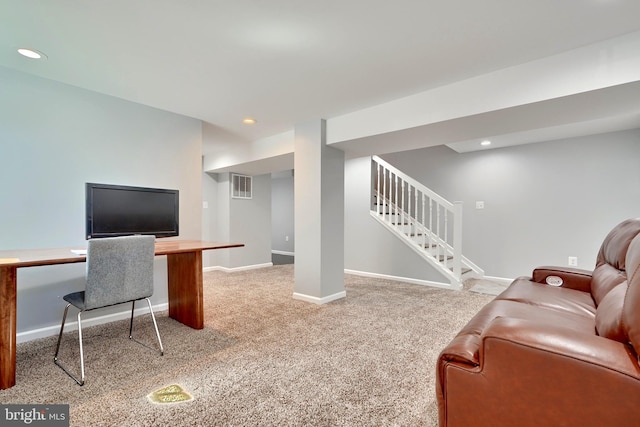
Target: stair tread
427,245
462,270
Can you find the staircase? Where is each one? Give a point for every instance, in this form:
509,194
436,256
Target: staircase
425,221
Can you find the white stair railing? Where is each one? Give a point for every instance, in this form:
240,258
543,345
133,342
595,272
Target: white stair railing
430,224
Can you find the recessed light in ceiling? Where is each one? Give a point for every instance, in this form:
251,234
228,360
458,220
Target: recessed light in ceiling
485,143
249,121
31,53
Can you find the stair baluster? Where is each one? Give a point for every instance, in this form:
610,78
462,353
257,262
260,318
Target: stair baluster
401,205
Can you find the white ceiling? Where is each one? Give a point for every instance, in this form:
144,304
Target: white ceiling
287,61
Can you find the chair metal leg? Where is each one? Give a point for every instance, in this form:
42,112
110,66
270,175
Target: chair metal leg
82,375
155,325
55,357
64,318
133,308
81,352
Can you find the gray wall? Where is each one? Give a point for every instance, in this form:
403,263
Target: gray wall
250,223
53,139
209,216
543,202
282,212
245,221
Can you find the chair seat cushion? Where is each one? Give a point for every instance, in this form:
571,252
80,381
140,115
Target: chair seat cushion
542,295
76,299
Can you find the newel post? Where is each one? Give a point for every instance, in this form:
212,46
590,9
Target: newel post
457,240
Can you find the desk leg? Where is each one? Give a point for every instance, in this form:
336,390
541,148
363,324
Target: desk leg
8,278
185,288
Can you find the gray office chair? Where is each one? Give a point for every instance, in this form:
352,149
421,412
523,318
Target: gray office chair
119,270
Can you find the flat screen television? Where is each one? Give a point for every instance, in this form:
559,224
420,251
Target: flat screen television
120,210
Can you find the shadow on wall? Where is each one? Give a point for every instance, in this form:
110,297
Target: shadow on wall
278,259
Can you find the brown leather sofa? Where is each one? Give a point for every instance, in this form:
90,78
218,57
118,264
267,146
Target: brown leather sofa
545,355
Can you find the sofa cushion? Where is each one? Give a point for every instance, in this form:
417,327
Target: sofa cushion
613,250
604,278
631,306
555,298
609,315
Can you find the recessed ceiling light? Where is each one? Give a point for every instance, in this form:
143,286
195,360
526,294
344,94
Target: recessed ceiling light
485,143
249,121
31,53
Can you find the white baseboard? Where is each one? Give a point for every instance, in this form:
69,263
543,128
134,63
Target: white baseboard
93,321
501,280
273,251
400,279
235,269
317,300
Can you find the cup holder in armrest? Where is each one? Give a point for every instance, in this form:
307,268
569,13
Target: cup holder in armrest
554,281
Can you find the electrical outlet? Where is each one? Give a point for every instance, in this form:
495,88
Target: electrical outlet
286,238
479,204
573,261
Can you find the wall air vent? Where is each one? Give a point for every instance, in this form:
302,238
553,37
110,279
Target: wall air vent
240,186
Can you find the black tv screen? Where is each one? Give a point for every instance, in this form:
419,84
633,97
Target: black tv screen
119,210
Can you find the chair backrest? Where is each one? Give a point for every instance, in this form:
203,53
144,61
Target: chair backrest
119,269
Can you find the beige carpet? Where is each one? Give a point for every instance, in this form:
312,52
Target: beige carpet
263,358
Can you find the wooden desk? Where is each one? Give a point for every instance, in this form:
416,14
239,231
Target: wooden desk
184,270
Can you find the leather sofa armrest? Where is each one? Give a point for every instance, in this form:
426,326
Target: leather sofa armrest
572,278
558,340
535,372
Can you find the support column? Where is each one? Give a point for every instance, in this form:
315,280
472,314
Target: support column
319,215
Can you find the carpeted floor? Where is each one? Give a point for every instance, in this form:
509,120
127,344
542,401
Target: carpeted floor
263,359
